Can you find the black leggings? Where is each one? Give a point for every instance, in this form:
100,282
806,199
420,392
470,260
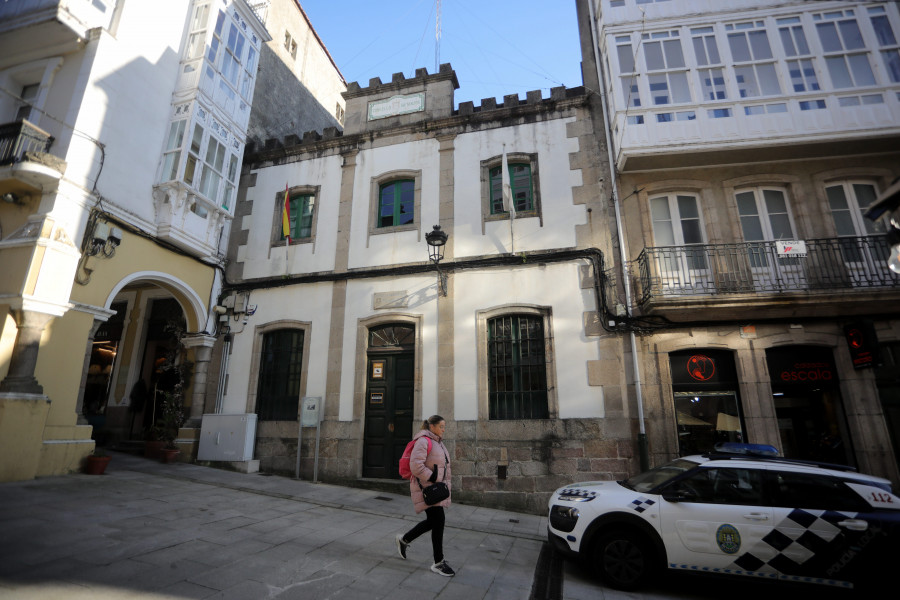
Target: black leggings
434,521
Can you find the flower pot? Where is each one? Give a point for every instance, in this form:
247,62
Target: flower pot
170,455
96,465
154,448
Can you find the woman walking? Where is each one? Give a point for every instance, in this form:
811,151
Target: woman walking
429,463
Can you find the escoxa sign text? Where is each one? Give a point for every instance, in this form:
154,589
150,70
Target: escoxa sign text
807,372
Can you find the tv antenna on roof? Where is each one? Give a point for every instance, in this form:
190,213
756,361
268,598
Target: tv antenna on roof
437,39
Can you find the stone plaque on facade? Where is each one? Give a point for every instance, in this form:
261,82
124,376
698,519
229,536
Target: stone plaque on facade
396,105
383,300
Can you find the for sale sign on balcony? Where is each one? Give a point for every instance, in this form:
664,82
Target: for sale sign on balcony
791,248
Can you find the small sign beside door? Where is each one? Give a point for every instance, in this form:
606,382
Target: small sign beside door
376,398
310,411
377,369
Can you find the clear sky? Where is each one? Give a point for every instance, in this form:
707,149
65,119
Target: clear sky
496,47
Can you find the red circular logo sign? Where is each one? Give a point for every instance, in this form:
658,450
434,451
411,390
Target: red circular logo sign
701,368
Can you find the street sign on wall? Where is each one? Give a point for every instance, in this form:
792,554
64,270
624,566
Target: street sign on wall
396,105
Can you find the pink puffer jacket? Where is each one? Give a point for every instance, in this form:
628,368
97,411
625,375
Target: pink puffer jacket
421,467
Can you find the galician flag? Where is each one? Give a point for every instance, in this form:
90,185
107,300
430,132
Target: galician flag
286,215
508,204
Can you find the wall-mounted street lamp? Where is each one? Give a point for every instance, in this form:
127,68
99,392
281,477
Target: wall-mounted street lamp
437,239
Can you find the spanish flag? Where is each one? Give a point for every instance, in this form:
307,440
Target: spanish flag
286,215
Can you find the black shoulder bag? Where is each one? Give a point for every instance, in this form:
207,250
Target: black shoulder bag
437,491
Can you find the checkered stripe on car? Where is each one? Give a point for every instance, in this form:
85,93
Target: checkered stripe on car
794,541
641,504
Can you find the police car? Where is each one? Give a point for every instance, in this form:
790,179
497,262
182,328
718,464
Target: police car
741,510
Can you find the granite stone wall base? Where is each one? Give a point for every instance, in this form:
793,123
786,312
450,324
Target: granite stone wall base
514,465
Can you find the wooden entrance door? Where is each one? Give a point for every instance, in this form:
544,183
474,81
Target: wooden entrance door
389,412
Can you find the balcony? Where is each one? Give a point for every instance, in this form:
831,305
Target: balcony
36,28
24,155
20,137
833,277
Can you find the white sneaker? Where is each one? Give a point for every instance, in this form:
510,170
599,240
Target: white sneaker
401,547
442,568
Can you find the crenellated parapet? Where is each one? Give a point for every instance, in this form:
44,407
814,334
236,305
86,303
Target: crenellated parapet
534,98
421,102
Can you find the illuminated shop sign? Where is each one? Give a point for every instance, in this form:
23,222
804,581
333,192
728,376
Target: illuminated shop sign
701,368
801,365
863,344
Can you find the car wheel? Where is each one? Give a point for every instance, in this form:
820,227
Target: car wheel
624,559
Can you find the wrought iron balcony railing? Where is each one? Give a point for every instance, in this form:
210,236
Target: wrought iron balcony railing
20,137
757,267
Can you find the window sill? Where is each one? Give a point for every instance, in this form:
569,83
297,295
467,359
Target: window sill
530,214
395,228
281,243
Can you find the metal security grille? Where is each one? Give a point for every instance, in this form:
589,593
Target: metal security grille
517,369
278,397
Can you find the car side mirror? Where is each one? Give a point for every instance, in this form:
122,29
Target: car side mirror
679,496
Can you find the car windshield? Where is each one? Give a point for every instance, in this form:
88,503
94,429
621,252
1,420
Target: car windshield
648,480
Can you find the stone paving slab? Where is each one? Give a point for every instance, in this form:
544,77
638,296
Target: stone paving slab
149,531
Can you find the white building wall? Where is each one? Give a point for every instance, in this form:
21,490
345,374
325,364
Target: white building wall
259,257
403,246
126,105
548,139
312,306
550,286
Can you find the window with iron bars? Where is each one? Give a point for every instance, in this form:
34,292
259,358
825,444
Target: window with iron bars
517,369
280,370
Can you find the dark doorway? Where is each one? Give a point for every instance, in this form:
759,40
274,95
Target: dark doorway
390,387
165,320
887,378
98,383
808,405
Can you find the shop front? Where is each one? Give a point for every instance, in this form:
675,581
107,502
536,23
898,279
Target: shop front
809,409
707,402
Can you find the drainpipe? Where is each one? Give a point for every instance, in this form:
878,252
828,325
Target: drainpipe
223,370
642,435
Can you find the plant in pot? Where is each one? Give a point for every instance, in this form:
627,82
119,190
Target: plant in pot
174,378
173,417
96,462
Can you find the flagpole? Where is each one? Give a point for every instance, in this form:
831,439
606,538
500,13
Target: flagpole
508,203
286,226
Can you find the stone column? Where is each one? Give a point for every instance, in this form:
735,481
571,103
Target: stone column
20,379
202,346
445,308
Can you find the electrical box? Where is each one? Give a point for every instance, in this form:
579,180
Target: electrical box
240,303
227,437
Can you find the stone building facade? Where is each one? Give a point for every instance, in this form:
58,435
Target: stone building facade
748,139
507,340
